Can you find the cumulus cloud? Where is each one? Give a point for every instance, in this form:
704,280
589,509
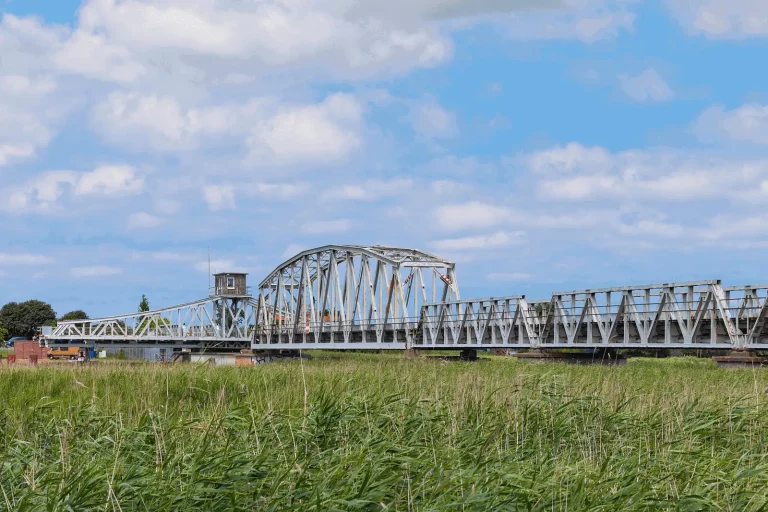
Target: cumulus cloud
584,20
479,242
371,190
31,105
662,175
109,180
219,265
219,197
162,123
722,19
276,191
141,220
647,86
46,189
471,215
325,132
748,123
433,121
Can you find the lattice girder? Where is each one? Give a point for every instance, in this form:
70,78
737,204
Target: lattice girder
351,294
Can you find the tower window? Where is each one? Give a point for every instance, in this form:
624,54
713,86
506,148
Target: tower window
230,283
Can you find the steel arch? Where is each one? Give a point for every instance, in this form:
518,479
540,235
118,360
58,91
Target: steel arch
356,296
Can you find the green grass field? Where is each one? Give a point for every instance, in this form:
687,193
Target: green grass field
379,432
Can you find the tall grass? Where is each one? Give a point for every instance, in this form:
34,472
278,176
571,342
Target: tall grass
384,433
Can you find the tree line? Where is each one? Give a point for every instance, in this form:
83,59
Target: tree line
23,319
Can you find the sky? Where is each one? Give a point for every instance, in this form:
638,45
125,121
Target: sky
542,145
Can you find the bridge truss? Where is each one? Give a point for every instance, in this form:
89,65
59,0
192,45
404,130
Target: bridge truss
345,295
700,314
215,322
373,297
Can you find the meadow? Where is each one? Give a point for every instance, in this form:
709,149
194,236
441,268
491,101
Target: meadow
380,432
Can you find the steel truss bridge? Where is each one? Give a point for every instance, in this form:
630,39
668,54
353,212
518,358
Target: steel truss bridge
357,297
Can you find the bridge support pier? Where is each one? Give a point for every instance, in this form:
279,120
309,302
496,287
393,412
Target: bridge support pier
605,357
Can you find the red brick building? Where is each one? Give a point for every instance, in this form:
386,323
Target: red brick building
23,349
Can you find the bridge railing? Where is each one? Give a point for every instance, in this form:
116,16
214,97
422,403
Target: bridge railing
399,331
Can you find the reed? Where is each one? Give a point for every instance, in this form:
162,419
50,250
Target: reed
379,432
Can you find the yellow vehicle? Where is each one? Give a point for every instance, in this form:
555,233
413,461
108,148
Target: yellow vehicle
64,353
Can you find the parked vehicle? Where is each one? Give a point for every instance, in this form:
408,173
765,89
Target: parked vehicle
13,340
70,353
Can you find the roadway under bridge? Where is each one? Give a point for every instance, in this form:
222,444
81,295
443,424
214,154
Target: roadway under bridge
358,297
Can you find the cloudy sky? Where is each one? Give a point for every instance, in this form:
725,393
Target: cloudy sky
542,145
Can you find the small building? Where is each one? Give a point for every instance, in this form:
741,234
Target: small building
230,284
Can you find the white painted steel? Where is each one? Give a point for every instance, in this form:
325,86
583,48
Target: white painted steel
349,294
224,322
699,314
374,297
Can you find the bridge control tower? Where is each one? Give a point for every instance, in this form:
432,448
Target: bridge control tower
230,284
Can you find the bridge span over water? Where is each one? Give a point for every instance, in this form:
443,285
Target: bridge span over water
374,297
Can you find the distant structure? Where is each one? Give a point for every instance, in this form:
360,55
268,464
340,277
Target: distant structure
379,297
230,284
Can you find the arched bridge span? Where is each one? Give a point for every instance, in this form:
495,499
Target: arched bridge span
344,295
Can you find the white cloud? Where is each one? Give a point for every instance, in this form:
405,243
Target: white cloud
647,86
584,20
569,158
433,121
9,152
94,56
660,175
44,191
169,256
109,180
281,191
31,105
748,123
96,271
119,40
722,19
162,123
141,220
495,240
472,215
219,265
219,197
372,190
329,131
326,227
24,259
653,228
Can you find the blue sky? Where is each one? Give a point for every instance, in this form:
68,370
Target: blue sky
541,145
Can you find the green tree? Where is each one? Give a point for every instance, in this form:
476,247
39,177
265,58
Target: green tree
23,319
3,333
144,304
77,314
